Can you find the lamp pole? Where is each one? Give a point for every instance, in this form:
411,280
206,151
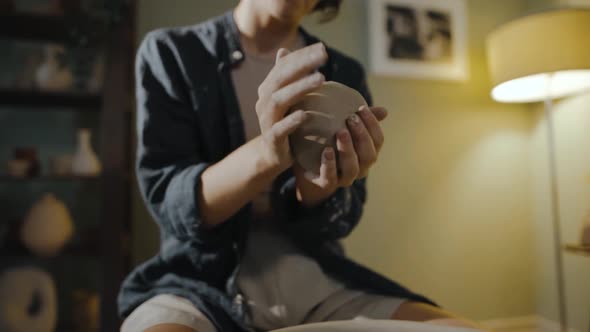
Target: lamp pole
555,206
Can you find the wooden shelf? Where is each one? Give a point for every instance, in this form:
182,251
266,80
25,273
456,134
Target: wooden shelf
45,28
19,251
577,249
32,98
49,178
34,27
121,176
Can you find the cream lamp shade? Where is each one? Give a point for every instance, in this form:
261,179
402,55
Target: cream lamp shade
541,56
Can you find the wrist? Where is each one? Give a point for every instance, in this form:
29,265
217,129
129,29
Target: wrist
312,199
266,165
308,194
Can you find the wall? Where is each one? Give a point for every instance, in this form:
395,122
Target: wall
449,201
448,212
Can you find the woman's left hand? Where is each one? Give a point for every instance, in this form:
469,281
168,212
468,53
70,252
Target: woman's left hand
358,149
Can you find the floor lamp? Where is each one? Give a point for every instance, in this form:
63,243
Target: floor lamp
538,58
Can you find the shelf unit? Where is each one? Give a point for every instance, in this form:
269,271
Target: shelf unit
32,98
577,249
113,108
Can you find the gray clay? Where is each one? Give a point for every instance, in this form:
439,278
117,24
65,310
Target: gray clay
327,108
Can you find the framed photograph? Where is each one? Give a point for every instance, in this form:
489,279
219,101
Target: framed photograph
422,39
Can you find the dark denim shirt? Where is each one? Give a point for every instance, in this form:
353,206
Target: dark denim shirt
187,119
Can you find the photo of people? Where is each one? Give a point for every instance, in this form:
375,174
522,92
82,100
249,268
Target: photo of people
419,39
418,34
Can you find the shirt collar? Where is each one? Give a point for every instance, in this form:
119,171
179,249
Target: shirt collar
235,53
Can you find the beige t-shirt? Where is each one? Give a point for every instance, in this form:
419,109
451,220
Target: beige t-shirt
247,77
280,283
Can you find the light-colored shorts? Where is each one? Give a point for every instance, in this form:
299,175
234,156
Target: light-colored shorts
342,305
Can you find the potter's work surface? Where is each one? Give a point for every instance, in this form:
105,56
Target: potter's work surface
366,325
328,108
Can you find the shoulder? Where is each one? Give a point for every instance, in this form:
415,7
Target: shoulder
345,63
348,71
193,40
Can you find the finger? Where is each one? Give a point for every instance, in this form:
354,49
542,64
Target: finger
282,52
348,160
290,94
379,112
328,177
363,143
294,66
328,169
285,127
372,124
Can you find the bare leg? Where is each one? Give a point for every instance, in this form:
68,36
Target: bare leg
170,328
421,312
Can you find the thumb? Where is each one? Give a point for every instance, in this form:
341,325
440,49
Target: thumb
379,112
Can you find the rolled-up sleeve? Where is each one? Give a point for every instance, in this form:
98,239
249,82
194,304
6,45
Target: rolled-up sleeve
169,164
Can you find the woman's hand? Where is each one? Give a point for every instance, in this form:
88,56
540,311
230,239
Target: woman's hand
291,78
358,149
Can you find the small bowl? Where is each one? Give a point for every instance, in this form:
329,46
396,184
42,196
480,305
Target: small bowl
61,165
18,168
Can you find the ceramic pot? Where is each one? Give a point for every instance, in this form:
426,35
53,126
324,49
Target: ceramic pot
85,162
53,75
47,227
96,80
28,301
85,310
18,168
327,108
29,155
61,165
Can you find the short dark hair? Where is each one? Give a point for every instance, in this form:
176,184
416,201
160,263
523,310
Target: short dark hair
328,9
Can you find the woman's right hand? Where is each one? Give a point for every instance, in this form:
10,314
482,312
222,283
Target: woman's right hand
293,76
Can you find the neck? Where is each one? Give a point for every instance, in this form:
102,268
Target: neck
261,33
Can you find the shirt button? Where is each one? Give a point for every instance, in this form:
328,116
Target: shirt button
237,55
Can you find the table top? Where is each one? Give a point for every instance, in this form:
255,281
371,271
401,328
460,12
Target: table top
578,249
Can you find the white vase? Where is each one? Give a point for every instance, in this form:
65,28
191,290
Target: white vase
85,161
52,75
47,227
28,300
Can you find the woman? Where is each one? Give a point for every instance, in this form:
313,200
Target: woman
249,240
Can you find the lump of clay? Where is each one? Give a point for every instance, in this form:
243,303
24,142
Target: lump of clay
328,108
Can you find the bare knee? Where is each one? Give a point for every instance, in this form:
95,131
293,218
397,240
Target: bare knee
170,328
